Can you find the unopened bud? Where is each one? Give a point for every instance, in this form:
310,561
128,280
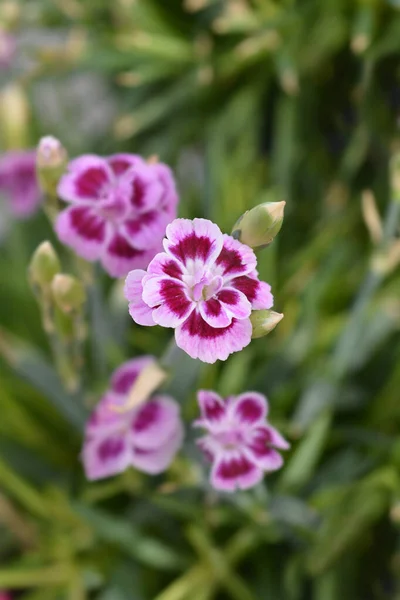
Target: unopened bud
264,321
51,160
68,293
44,265
258,227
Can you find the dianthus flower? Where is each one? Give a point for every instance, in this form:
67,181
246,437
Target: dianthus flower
147,437
204,285
119,208
18,182
240,443
4,595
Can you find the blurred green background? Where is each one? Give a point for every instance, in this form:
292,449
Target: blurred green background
247,100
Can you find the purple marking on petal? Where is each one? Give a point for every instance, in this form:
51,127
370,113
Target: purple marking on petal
110,448
197,327
87,223
154,422
235,258
247,286
249,411
124,377
235,471
163,264
91,183
249,408
119,165
147,416
211,405
191,247
209,344
174,297
120,247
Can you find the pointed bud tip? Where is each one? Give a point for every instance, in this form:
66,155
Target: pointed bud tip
44,265
258,226
50,153
264,321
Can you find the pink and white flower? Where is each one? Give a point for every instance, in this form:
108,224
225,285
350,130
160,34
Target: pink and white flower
18,182
146,437
119,209
204,285
240,443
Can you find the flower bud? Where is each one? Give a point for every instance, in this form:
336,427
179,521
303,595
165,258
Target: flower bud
258,226
51,160
44,265
68,293
264,321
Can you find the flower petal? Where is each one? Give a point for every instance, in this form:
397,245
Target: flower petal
257,292
157,460
163,264
105,419
144,188
147,229
87,179
140,312
208,447
233,470
212,407
154,422
105,456
248,408
170,197
123,378
234,259
214,313
18,182
170,298
122,162
119,257
265,457
235,303
197,241
83,230
209,344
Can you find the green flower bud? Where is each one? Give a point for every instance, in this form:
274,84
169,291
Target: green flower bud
258,226
44,265
68,293
264,321
51,161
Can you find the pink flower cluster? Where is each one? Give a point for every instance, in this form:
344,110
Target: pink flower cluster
119,209
18,182
239,441
204,285
146,437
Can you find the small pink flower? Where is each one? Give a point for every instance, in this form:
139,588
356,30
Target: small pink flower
119,208
4,595
18,182
204,285
147,437
239,442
